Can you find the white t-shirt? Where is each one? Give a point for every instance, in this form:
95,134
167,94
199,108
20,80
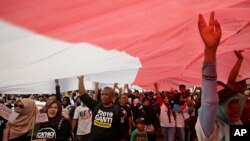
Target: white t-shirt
84,116
164,120
221,131
179,119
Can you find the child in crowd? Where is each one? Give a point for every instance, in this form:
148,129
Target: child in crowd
139,134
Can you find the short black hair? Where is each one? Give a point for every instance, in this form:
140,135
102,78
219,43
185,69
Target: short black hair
182,86
111,90
136,91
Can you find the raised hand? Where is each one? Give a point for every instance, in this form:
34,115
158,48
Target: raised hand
116,85
210,35
81,86
126,86
238,54
96,83
156,85
57,82
80,77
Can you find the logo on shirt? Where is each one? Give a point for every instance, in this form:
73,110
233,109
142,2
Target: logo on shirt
103,119
47,133
85,114
124,115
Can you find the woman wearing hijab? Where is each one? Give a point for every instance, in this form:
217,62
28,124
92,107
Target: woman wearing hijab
57,128
19,129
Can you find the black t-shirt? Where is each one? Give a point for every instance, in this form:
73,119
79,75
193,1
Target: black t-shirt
150,117
60,132
24,137
107,122
126,114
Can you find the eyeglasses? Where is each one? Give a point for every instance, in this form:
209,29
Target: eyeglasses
19,106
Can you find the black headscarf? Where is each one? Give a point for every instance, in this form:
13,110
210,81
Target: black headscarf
57,119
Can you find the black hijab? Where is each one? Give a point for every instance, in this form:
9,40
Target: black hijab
58,117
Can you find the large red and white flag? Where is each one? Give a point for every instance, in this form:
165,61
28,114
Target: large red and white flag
126,41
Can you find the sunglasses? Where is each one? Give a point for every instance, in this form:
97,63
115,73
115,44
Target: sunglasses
19,106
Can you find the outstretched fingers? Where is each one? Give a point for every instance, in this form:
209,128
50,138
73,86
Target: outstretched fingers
201,23
211,20
217,28
238,53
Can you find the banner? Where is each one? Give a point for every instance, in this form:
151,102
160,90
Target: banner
7,113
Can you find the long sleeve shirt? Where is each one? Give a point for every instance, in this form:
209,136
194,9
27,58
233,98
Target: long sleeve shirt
206,125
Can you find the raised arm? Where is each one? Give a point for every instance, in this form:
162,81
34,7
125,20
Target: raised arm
126,88
58,92
158,95
210,35
115,86
89,102
96,90
235,71
81,86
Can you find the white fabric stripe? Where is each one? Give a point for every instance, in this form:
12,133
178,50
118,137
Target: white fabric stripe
28,58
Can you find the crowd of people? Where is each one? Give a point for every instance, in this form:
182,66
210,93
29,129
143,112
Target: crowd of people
113,113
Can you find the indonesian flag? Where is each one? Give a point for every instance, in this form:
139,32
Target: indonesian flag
137,42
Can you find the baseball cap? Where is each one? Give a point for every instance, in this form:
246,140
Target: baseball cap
140,120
